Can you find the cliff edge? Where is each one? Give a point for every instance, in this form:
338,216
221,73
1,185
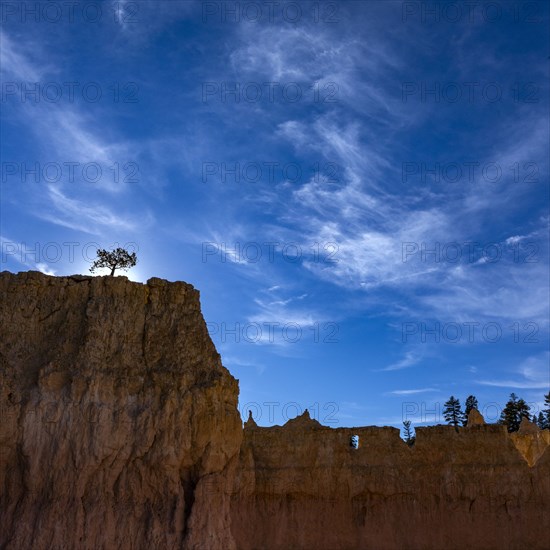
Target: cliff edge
117,415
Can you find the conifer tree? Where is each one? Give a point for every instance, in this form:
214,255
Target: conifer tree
513,412
408,433
546,412
452,412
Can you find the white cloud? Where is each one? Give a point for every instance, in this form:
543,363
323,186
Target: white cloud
330,69
410,359
411,392
15,62
283,323
534,374
371,227
88,217
19,252
514,239
75,201
44,268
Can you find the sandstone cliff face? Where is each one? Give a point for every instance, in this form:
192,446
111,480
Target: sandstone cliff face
117,417
303,486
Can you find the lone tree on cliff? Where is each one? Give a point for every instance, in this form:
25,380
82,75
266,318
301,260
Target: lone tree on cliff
452,412
117,259
408,433
513,412
471,403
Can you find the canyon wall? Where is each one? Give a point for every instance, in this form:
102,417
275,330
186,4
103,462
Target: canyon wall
303,486
120,430
117,417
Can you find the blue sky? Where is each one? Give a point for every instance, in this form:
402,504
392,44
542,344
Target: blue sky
358,189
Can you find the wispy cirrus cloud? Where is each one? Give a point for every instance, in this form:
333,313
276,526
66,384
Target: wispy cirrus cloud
72,201
410,359
412,392
371,229
534,373
15,62
89,218
368,211
18,251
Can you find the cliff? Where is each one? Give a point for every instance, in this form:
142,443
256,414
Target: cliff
118,417
119,430
302,485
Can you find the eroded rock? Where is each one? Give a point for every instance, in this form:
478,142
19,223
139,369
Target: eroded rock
117,416
119,430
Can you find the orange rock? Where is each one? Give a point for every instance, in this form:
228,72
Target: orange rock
119,429
475,418
302,486
117,417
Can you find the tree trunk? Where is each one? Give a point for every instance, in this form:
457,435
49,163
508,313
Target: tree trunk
113,270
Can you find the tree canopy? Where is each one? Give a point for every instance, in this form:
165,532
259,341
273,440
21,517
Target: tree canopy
513,412
452,412
117,259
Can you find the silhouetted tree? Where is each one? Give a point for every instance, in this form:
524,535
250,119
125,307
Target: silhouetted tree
117,259
408,433
513,412
523,410
546,412
508,415
471,403
452,412
540,422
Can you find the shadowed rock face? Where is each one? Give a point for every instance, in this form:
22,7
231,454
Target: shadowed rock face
119,429
303,486
117,416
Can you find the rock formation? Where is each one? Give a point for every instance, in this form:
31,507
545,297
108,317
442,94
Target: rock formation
119,430
530,441
302,486
475,418
118,417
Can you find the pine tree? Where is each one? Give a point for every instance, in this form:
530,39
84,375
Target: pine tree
546,412
513,413
540,421
408,433
471,403
453,413
523,410
508,415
